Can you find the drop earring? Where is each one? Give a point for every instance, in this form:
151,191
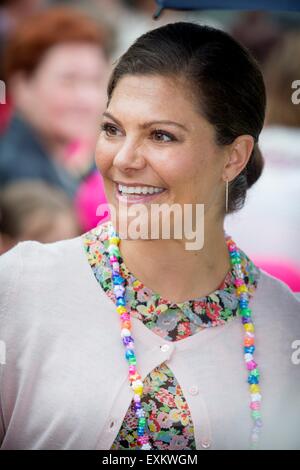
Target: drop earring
226,197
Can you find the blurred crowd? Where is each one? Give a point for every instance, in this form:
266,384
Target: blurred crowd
55,60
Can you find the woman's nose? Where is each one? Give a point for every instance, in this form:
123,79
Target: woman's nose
129,157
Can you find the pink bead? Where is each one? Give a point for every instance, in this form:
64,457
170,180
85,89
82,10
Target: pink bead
125,317
113,259
231,247
132,369
239,282
251,365
143,439
255,405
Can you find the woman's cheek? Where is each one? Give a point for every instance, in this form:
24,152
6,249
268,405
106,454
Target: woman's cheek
104,156
174,166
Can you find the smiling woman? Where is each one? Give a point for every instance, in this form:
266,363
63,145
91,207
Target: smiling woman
185,109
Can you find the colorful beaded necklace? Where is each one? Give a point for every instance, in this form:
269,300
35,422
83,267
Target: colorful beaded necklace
248,344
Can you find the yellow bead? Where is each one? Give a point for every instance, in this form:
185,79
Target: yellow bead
115,241
242,289
254,388
138,390
121,309
136,284
249,327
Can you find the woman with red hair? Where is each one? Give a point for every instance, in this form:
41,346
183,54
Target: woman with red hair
56,69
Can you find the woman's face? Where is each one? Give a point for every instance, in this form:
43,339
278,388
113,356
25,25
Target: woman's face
66,93
152,136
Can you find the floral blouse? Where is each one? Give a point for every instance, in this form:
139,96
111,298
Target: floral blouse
169,422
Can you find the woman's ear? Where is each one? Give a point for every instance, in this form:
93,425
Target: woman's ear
238,156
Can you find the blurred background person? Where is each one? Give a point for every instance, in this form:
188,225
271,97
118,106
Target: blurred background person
33,210
272,209
56,69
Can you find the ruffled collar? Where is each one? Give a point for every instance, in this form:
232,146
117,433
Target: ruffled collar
170,320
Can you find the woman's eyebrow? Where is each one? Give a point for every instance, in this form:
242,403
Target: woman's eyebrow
148,123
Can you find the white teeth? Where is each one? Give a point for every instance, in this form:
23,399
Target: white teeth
139,189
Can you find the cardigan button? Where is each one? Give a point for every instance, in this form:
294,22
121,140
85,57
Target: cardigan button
165,348
111,425
205,443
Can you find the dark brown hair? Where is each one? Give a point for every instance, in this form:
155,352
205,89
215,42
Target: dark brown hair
225,78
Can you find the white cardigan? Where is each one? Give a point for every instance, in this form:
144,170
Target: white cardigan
64,384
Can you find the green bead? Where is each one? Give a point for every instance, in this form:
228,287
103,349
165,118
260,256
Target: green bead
132,361
142,422
114,250
255,373
245,312
235,260
256,414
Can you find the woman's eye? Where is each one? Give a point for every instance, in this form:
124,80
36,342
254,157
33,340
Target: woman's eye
158,135
162,136
109,129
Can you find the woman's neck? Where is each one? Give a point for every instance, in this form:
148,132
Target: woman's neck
173,272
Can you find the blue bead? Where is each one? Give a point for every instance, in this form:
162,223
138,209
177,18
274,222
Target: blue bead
117,280
249,349
253,380
121,301
244,305
129,353
120,281
235,254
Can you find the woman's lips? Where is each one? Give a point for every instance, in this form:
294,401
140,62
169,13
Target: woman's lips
136,198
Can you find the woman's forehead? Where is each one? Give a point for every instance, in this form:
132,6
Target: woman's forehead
150,98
